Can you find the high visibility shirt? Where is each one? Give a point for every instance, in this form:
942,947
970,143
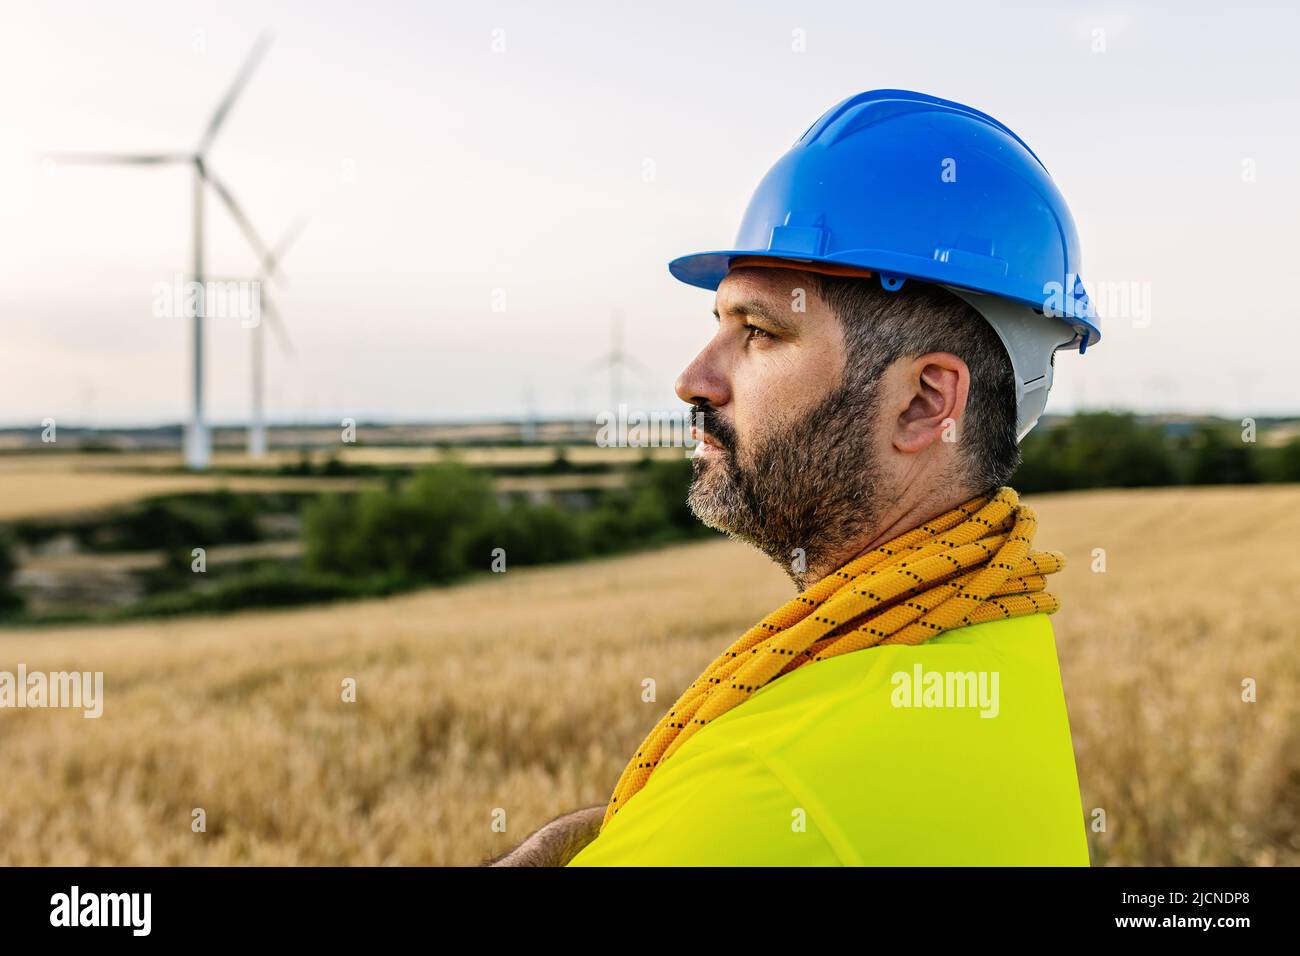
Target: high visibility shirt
955,752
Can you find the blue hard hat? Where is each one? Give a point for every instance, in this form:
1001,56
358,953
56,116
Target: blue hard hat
910,186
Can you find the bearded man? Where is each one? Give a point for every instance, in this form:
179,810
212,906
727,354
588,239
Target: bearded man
886,337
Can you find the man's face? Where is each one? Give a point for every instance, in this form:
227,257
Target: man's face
787,459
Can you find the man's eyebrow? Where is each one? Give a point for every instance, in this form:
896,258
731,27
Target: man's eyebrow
755,308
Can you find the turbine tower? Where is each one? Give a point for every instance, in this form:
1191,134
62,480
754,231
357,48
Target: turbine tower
270,314
528,425
257,421
198,440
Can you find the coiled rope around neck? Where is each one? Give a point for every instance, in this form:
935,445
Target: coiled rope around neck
971,565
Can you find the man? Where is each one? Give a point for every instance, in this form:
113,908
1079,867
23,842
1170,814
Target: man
887,322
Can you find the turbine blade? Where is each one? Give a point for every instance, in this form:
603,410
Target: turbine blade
120,159
272,262
237,87
254,240
635,365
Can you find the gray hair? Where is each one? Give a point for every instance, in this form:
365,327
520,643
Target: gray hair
881,327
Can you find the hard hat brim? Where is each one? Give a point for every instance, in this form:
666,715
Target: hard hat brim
706,270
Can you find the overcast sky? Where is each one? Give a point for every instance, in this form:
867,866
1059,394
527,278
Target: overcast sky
567,169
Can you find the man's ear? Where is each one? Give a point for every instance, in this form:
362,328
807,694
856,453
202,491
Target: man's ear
935,386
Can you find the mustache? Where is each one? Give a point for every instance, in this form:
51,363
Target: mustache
710,419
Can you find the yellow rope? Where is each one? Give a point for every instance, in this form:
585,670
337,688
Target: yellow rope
968,566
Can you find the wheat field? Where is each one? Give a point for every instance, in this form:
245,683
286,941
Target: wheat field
522,693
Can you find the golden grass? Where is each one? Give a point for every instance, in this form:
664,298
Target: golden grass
523,692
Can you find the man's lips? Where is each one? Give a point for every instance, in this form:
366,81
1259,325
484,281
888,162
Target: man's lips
699,435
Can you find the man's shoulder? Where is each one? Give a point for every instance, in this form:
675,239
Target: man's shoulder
950,752
960,673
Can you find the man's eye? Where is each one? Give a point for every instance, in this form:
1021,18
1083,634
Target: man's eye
753,331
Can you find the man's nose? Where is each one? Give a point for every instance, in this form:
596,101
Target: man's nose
703,382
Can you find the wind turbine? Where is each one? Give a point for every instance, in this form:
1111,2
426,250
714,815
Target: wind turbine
615,361
271,314
257,422
528,425
198,440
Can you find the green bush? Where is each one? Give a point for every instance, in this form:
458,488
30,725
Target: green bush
270,585
181,522
10,601
1283,464
604,528
1221,459
178,522
1095,450
446,521
535,534
423,531
652,510
669,481
1290,460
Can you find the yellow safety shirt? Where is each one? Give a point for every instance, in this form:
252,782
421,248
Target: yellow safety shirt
955,752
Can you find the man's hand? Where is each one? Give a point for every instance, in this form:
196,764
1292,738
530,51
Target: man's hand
556,843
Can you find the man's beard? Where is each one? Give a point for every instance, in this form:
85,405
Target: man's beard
812,484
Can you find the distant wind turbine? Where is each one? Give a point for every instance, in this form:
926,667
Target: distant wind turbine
528,425
615,362
198,440
271,315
